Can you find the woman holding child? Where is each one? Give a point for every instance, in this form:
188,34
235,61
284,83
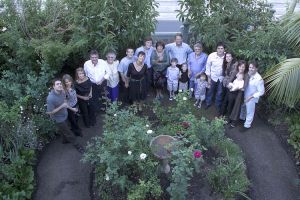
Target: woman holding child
236,86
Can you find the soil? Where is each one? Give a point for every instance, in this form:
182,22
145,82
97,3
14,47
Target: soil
271,170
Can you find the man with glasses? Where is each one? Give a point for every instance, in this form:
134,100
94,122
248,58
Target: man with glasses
98,72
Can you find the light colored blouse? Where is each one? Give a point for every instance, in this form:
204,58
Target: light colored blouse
113,79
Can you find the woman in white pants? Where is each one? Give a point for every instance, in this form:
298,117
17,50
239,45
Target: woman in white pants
253,91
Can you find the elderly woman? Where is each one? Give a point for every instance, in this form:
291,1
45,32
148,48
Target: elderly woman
159,61
113,80
137,84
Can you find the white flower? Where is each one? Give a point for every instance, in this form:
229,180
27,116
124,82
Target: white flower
3,29
192,89
147,125
106,177
179,90
184,98
149,131
143,156
129,152
21,107
115,115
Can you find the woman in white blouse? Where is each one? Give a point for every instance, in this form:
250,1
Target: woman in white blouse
113,80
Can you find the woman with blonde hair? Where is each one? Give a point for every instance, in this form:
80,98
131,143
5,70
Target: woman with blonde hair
71,98
83,87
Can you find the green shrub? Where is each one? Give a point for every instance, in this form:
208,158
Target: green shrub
246,27
16,175
294,138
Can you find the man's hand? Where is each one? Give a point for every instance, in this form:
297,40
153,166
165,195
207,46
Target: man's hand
248,99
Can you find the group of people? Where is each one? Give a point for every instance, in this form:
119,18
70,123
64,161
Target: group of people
232,83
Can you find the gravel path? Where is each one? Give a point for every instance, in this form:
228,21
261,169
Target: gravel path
61,175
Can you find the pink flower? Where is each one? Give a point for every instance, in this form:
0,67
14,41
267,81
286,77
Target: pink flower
185,124
197,154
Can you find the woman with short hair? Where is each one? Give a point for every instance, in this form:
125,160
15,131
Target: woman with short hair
159,61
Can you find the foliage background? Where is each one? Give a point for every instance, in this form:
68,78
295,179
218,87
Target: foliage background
40,40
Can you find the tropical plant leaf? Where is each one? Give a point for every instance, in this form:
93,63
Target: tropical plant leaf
283,81
291,27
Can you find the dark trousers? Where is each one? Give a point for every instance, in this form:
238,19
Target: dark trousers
215,87
124,92
149,79
224,109
88,112
98,93
66,133
72,117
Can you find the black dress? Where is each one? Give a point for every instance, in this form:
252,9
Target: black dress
137,82
86,106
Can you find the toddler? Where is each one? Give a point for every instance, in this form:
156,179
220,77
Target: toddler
183,78
172,78
237,84
200,90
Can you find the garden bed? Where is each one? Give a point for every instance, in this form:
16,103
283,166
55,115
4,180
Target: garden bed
204,164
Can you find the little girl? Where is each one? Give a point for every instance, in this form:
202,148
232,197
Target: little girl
184,78
172,78
200,90
71,98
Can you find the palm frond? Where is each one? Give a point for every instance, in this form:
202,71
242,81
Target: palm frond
283,82
291,27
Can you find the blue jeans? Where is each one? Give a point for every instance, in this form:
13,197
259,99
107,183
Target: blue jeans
218,97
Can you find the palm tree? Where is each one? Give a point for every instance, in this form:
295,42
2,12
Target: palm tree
283,80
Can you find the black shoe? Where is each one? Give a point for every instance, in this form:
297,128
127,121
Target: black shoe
79,148
244,129
206,107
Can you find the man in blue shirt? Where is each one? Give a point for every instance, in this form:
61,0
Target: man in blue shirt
147,48
122,68
179,49
196,63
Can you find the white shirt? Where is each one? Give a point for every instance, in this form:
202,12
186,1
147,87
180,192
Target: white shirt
96,72
113,79
255,87
236,85
214,67
172,73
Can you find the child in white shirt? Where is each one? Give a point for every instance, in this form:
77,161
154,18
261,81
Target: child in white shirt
172,78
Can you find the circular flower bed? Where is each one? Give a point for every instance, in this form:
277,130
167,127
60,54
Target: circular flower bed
126,168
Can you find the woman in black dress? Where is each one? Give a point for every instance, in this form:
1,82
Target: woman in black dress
83,87
136,74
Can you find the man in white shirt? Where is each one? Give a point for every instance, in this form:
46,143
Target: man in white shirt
179,50
214,72
254,90
98,73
